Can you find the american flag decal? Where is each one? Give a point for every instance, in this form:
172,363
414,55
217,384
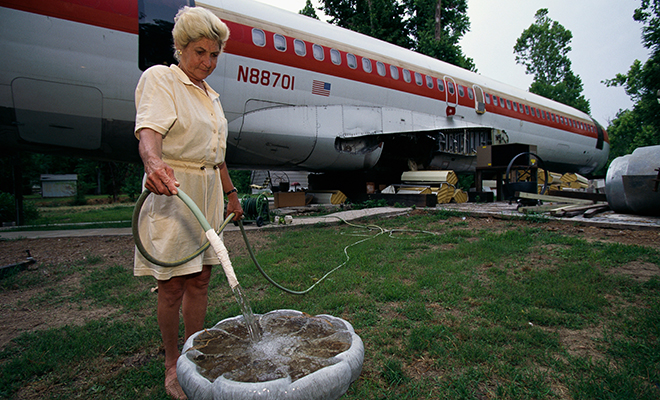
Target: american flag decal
321,88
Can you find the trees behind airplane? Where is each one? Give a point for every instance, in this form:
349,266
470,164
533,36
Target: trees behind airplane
543,49
431,27
640,126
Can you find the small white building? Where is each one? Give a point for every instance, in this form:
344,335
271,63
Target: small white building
59,185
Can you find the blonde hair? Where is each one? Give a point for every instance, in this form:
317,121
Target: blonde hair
194,23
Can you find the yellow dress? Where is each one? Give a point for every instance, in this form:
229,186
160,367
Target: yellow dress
194,131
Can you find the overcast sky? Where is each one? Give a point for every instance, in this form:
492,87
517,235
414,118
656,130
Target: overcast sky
606,41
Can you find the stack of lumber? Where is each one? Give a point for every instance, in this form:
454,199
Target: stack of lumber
569,204
445,193
430,177
574,181
459,196
328,196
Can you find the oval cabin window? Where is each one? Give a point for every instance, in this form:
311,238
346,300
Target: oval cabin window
335,56
258,37
351,60
299,47
280,42
318,52
394,72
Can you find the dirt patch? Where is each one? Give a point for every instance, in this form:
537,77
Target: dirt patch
57,259
637,270
583,342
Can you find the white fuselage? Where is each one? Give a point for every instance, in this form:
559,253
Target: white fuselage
71,85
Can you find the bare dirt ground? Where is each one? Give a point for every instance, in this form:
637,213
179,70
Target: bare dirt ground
17,316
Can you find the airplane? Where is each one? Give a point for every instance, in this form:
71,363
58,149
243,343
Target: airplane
298,93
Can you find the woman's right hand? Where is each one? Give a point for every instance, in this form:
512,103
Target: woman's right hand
160,176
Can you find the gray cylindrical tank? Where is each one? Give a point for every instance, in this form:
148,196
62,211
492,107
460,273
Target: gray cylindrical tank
630,182
328,383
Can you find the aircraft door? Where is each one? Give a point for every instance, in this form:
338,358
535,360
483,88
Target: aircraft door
452,96
156,20
479,103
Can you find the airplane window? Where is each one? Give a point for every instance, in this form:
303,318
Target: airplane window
319,54
406,75
533,112
515,106
258,37
553,117
366,65
429,82
508,104
280,42
461,91
543,113
441,85
394,72
299,47
495,100
380,68
470,93
335,56
502,102
418,78
487,98
527,110
351,60
450,87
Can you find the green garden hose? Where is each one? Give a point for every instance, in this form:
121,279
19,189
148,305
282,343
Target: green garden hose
217,242
207,227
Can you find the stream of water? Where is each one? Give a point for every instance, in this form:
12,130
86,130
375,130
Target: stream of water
250,321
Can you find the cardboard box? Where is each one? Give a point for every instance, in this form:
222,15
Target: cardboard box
289,199
500,155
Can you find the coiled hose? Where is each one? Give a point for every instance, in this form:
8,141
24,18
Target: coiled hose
206,226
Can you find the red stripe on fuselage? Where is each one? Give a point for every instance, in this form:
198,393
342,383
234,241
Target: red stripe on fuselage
120,15
241,44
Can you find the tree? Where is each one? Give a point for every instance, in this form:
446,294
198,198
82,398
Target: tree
381,19
640,126
543,49
309,10
437,26
430,27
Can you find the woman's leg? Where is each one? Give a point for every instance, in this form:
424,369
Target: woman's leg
170,296
195,300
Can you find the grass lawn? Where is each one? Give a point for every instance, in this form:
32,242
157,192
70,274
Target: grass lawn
481,309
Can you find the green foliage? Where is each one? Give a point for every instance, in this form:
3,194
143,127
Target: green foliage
309,10
377,18
441,40
543,49
8,209
241,180
641,125
409,23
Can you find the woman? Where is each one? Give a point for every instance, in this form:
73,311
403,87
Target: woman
183,133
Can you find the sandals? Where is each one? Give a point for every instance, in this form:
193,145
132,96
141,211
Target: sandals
172,386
